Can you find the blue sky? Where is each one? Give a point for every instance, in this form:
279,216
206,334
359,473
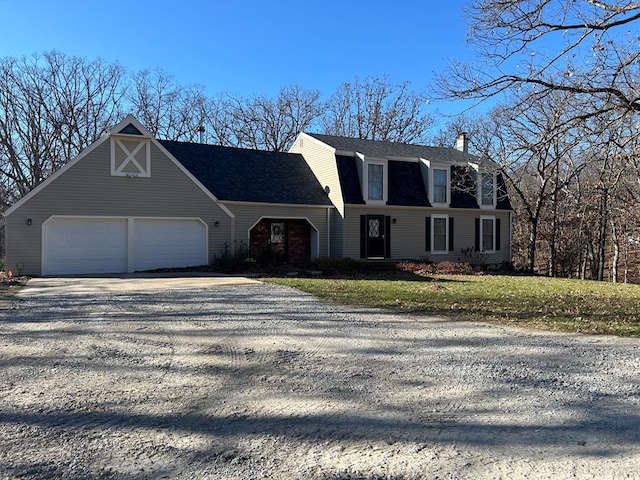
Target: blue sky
247,47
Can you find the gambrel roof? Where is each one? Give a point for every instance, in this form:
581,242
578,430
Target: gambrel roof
407,184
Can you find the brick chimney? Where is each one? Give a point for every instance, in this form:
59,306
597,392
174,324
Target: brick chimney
462,142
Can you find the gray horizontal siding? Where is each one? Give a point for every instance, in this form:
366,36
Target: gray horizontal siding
408,239
322,162
87,189
337,235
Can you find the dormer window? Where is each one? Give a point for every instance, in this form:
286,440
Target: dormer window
375,182
440,191
487,190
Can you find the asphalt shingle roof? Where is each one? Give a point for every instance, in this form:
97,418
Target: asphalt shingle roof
503,202
376,148
237,174
464,196
349,180
406,186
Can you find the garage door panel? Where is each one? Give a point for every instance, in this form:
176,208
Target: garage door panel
85,245
166,243
100,245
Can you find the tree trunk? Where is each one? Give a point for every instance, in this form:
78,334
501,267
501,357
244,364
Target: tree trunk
616,253
532,247
602,237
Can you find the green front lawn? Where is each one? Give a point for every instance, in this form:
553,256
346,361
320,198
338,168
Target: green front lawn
532,302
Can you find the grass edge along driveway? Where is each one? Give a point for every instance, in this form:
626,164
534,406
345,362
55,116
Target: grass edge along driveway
567,305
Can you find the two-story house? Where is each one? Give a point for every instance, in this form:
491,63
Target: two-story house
130,202
401,201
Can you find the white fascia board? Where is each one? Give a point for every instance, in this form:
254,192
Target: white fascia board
372,159
278,205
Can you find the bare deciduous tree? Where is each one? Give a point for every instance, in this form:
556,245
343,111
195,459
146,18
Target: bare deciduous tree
169,110
537,156
610,181
586,48
266,123
533,53
377,109
51,107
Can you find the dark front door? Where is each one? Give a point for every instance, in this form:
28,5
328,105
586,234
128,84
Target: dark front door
375,234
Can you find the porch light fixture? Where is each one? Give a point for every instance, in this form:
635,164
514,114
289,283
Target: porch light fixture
216,224
29,221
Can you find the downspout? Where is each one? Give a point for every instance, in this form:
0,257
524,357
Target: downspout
328,232
510,238
233,230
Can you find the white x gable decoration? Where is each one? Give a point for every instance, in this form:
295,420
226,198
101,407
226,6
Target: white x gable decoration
130,157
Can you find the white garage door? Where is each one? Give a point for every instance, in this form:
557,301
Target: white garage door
85,245
101,245
163,243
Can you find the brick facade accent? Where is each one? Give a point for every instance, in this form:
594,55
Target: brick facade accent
295,247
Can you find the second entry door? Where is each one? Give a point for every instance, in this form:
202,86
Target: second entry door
376,230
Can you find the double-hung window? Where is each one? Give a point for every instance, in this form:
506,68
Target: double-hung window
439,233
439,185
487,234
375,181
487,190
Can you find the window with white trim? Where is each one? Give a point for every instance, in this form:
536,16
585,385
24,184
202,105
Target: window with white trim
488,234
487,190
374,182
440,185
439,233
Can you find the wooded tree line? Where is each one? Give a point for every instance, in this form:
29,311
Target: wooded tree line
565,133
564,75
53,105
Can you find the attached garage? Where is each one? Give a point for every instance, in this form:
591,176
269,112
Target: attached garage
82,245
130,203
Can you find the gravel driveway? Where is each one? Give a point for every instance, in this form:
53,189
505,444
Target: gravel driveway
261,381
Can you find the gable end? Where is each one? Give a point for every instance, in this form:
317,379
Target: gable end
130,129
